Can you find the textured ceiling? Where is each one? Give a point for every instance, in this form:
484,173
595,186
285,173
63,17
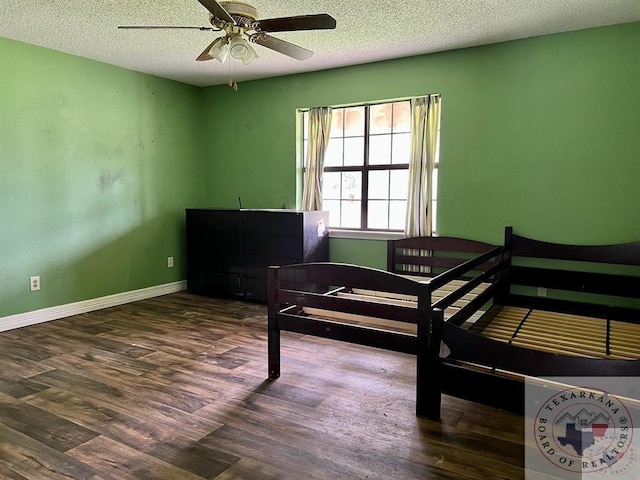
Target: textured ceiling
367,31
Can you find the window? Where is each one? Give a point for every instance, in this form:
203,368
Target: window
366,166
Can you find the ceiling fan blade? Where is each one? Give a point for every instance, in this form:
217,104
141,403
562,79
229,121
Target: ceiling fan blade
217,11
289,49
158,27
204,56
321,21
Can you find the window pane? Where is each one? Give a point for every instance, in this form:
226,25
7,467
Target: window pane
354,151
351,214
337,123
351,186
397,213
434,184
401,148
354,121
380,150
305,125
402,117
333,207
378,214
331,186
305,145
399,184
379,184
333,155
434,215
380,118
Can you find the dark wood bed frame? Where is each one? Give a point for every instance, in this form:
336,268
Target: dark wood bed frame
293,288
474,367
460,373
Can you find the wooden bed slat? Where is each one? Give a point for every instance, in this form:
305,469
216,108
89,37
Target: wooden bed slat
331,302
564,333
366,321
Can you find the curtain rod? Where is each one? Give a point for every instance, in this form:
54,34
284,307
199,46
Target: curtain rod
368,104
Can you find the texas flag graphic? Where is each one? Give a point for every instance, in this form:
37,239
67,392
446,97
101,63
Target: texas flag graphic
582,429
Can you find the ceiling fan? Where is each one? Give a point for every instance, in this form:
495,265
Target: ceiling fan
239,21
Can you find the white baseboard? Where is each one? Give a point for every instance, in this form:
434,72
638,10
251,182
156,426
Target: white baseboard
76,308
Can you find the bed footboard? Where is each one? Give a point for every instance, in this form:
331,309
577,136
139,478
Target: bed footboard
333,300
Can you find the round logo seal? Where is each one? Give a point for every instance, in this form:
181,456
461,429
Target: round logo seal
584,431
623,466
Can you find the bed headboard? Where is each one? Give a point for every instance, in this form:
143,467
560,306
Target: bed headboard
598,280
429,256
621,254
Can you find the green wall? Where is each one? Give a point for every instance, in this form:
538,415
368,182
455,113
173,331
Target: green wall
542,134
97,165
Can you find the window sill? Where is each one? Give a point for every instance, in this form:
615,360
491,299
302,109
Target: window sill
365,234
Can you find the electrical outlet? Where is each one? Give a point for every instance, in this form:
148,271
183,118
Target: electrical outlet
170,262
542,292
34,283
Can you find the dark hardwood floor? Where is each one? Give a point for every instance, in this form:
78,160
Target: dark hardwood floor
176,387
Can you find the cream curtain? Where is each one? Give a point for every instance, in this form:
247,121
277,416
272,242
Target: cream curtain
425,125
319,128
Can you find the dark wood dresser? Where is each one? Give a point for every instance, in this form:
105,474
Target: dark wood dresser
228,251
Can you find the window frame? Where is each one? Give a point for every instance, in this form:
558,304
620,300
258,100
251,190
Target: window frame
364,231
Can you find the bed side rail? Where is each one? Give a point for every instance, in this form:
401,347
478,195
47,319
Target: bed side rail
474,367
503,356
492,275
466,268
475,305
466,346
372,337
338,304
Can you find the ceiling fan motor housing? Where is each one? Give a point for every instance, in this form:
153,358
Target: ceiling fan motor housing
243,13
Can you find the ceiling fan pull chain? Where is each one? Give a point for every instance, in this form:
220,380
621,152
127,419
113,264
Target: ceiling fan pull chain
235,84
231,82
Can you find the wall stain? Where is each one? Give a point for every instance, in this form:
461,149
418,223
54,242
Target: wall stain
109,178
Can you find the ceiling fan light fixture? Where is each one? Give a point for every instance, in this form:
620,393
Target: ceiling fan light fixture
251,56
220,50
241,50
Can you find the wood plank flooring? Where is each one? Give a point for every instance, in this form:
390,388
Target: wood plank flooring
176,387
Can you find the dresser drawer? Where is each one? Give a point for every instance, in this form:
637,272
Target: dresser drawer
283,246
272,222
